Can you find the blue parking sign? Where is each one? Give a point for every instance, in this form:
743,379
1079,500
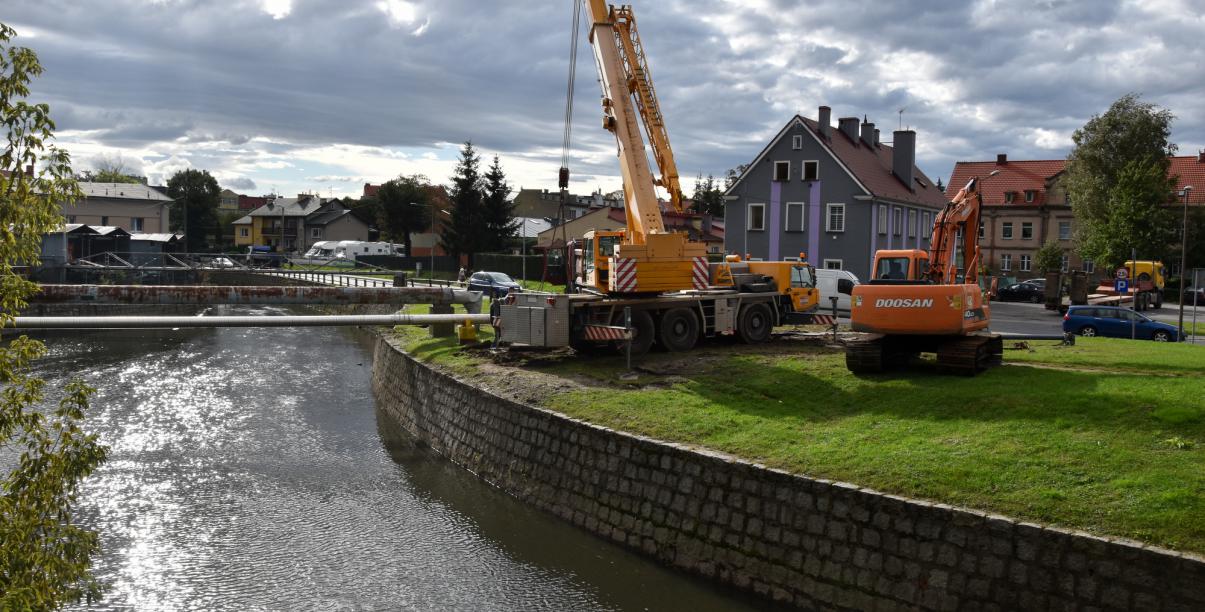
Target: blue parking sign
1121,286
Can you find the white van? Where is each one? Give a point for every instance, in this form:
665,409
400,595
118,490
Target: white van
335,251
826,282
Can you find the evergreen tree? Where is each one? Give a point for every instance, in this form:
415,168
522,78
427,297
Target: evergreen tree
499,210
708,197
403,208
195,210
1117,179
46,560
940,186
464,234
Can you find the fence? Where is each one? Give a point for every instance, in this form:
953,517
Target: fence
442,263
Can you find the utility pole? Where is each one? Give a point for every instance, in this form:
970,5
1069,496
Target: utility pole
1184,256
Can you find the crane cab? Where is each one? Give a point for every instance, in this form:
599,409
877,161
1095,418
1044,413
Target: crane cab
597,249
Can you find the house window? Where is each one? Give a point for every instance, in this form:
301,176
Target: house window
243,232
315,232
834,264
1008,197
70,218
1006,230
104,220
1089,266
1064,230
1006,262
1029,196
794,216
897,222
981,226
797,142
883,219
811,170
912,224
1025,260
926,227
1065,263
1027,230
135,224
836,218
782,170
757,217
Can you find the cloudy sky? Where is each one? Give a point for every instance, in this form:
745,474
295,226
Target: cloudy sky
324,95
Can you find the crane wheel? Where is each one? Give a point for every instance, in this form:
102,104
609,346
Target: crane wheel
643,331
679,330
755,323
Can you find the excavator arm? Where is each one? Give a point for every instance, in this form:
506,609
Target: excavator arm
961,213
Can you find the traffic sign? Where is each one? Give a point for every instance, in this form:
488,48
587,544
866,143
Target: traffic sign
1121,286
1123,273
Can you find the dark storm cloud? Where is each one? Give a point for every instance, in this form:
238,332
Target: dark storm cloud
974,78
245,184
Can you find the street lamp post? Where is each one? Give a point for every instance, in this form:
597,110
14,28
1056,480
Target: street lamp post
1184,255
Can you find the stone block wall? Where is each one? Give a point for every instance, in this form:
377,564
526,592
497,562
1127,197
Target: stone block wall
814,543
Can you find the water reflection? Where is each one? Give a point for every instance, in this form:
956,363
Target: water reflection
250,470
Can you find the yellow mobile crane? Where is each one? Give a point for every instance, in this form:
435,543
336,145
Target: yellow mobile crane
661,277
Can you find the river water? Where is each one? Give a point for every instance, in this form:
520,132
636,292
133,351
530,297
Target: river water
251,470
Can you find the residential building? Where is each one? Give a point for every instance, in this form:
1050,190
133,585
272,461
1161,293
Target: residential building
228,200
545,204
696,226
251,202
835,195
333,221
1025,205
132,207
300,222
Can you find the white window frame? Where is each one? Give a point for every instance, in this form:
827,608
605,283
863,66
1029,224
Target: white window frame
1006,262
912,224
749,220
828,216
1068,224
1026,262
803,170
1030,196
137,224
840,264
1006,230
1009,197
243,232
802,221
883,219
1089,266
927,227
897,221
779,164
1024,225
797,142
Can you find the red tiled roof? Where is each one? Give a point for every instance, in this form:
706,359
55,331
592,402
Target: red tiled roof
872,167
1015,176
370,190
1019,176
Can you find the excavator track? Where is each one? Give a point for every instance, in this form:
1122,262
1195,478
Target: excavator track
969,355
864,356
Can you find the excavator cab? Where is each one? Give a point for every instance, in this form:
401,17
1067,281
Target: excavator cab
900,267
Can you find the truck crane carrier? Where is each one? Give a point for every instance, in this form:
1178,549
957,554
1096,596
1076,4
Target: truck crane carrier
674,294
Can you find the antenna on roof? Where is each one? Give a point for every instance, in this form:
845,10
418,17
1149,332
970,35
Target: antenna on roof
901,112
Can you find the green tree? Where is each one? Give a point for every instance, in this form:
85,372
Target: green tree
46,560
708,197
463,234
733,174
112,169
403,208
1049,257
195,210
1117,179
498,210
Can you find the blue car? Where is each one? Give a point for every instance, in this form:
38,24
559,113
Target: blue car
1116,322
492,284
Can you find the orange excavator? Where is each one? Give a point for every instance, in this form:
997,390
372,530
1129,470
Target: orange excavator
920,302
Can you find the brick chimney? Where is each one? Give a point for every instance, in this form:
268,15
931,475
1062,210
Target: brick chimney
867,133
1201,156
876,137
849,127
824,118
904,157
1001,159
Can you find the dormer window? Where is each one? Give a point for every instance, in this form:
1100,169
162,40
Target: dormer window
1030,195
1008,196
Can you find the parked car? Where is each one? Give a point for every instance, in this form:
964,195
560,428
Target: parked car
827,281
1116,322
1194,296
1021,292
493,284
1040,283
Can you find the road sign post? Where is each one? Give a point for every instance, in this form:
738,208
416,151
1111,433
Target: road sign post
1122,287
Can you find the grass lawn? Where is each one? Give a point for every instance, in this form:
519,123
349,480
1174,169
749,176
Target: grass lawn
1094,442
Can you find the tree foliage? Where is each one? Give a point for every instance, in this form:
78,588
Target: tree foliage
1049,257
464,233
403,207
195,210
112,169
1117,179
46,560
733,174
498,210
708,196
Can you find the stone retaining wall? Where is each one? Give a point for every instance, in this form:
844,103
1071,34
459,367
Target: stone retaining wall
814,543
